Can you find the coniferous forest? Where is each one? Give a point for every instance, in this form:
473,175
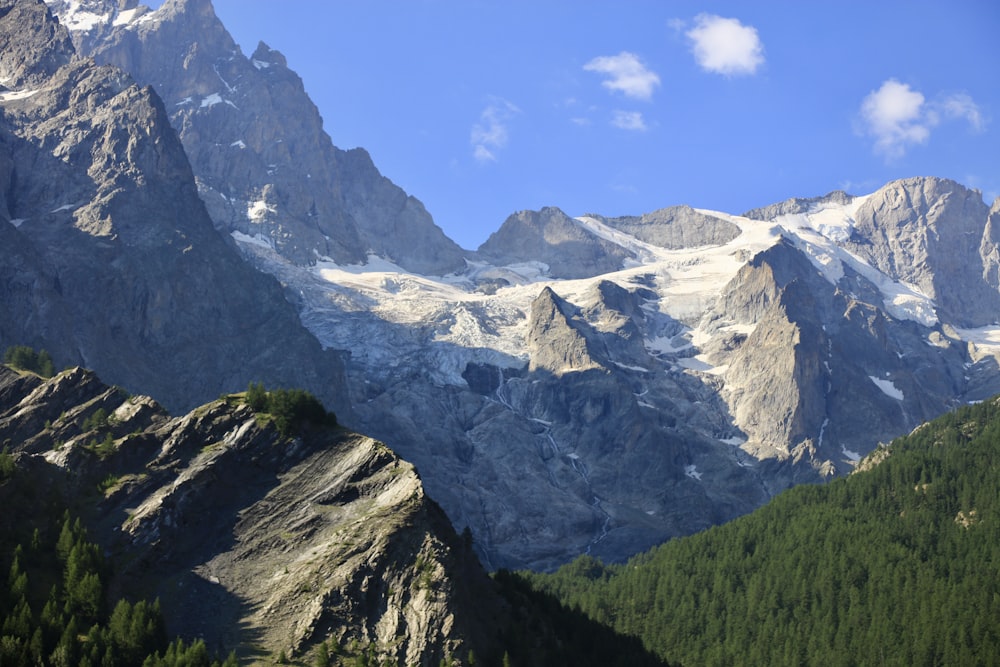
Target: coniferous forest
896,565
54,610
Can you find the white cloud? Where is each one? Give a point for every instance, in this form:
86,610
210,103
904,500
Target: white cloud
725,46
625,73
491,133
628,120
899,117
961,106
895,115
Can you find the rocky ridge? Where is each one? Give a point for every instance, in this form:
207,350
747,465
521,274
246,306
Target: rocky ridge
266,169
108,257
252,540
607,413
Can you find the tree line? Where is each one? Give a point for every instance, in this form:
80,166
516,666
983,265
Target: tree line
897,565
25,358
290,409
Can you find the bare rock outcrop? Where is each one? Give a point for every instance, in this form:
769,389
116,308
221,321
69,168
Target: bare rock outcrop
676,227
553,238
109,258
257,541
264,165
929,232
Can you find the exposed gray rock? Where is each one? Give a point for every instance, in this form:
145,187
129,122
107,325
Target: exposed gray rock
250,540
804,385
580,450
557,338
553,238
929,232
264,165
676,227
14,386
112,259
796,205
553,418
30,56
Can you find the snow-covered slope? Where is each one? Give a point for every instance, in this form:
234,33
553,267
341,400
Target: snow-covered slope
606,413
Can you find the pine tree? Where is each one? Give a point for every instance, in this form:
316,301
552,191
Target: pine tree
323,655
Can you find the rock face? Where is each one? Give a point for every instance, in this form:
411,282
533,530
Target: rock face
676,227
30,57
928,232
254,541
109,257
554,239
798,205
264,166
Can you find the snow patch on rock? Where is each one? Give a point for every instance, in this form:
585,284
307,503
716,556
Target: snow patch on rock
887,387
13,95
258,211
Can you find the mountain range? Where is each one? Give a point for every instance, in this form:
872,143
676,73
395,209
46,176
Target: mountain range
108,256
174,216
181,223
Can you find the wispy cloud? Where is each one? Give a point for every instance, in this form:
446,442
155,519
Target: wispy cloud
625,73
725,46
628,120
899,117
491,133
960,106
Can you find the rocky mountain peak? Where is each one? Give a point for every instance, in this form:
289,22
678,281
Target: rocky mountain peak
264,56
797,205
252,540
928,232
271,176
696,363
676,227
33,45
110,259
557,340
551,237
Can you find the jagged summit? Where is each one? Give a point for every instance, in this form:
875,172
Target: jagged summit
796,205
264,56
112,259
929,232
270,176
554,239
732,355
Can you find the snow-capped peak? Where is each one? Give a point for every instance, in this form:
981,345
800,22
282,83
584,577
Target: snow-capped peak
86,15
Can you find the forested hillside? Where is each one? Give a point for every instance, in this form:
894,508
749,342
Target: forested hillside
896,565
69,620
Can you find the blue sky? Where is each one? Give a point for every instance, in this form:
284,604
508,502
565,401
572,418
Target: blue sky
483,108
